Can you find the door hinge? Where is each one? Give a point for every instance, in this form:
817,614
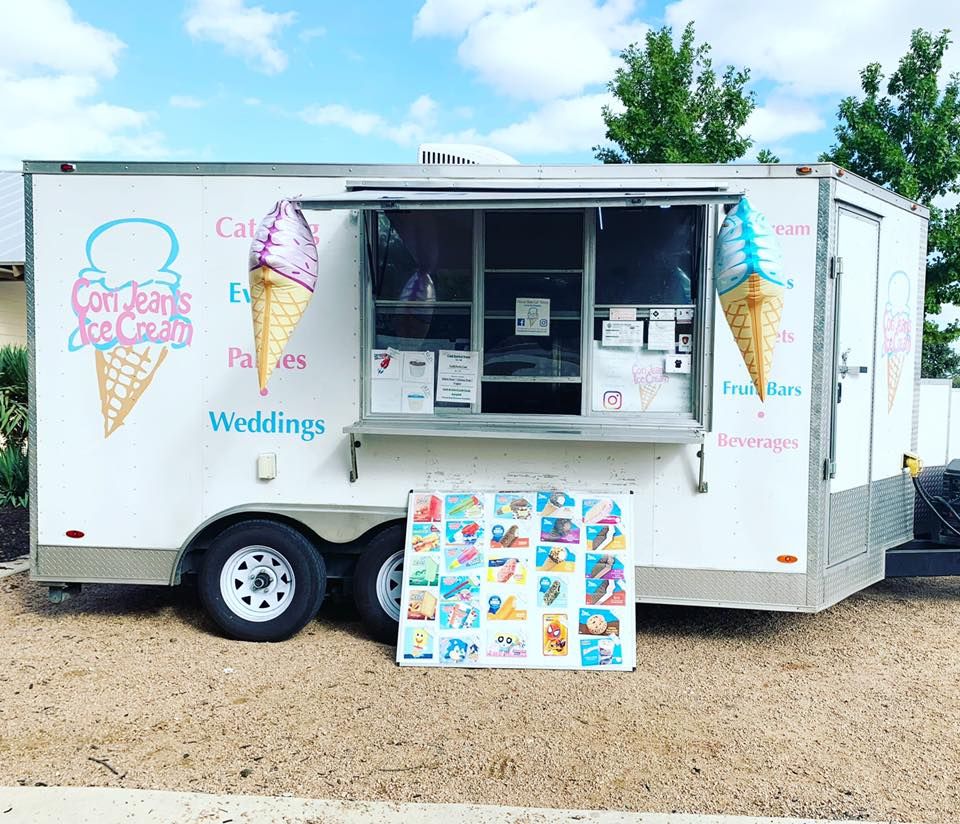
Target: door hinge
836,267
829,469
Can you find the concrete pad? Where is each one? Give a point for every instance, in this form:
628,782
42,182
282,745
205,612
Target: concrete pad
15,566
104,805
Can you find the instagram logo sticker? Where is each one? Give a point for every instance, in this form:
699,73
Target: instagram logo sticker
612,400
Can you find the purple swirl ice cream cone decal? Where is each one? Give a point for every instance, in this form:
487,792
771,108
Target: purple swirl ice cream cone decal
897,335
283,274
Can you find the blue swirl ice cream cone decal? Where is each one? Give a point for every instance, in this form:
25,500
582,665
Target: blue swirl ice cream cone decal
747,273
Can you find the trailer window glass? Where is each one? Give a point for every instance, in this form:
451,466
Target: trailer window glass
422,282
647,256
584,312
532,260
424,256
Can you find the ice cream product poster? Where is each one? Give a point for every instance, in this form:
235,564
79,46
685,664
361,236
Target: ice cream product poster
533,578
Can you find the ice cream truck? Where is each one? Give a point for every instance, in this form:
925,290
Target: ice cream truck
250,401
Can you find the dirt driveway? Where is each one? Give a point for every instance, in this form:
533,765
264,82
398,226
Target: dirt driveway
849,714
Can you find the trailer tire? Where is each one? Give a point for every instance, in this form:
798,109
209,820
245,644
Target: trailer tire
262,581
377,579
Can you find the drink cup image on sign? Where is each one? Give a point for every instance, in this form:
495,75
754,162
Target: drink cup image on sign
130,313
283,274
750,286
897,324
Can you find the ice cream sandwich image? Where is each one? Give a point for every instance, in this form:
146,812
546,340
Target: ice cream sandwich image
422,605
599,622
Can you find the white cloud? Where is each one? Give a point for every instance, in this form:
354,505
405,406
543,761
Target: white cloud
51,65
334,114
566,125
820,51
244,31
535,49
58,117
186,101
453,17
414,128
46,34
780,118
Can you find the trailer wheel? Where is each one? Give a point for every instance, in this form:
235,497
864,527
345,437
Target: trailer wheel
262,581
377,581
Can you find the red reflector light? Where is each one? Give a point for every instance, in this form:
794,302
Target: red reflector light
804,170
68,167
74,533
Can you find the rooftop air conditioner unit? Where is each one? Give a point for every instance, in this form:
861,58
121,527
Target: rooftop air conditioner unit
462,154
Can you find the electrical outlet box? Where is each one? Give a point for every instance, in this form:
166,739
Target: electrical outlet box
267,466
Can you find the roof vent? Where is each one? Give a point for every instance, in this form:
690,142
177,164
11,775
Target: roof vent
462,154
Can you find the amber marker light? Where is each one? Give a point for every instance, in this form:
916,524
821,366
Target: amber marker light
787,559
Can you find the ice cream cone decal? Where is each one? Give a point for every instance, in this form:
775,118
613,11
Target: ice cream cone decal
123,375
283,273
130,310
649,380
897,339
750,287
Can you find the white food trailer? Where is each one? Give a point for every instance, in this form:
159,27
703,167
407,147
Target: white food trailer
763,439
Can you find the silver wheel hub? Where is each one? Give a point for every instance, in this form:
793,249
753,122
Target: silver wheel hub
257,583
390,584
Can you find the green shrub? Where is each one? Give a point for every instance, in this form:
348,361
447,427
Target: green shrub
14,431
14,476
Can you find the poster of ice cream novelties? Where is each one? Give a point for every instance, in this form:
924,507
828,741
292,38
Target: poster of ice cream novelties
540,579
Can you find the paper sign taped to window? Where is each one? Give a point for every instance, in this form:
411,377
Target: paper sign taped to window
661,334
685,343
677,363
533,317
457,377
662,313
685,313
386,365
623,333
623,313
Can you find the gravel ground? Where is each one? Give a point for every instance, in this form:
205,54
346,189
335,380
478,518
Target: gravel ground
848,714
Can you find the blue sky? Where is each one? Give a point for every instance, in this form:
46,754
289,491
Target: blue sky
292,80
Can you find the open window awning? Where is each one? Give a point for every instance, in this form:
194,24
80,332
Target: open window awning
486,199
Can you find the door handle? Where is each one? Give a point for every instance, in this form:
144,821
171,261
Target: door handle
839,392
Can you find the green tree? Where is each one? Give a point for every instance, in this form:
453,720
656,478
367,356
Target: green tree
909,140
674,107
766,156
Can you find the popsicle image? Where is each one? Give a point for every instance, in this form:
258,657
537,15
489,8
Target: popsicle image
465,557
464,505
283,275
603,565
602,538
507,571
897,341
598,511
750,286
509,537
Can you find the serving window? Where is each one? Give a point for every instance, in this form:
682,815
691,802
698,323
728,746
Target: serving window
536,319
